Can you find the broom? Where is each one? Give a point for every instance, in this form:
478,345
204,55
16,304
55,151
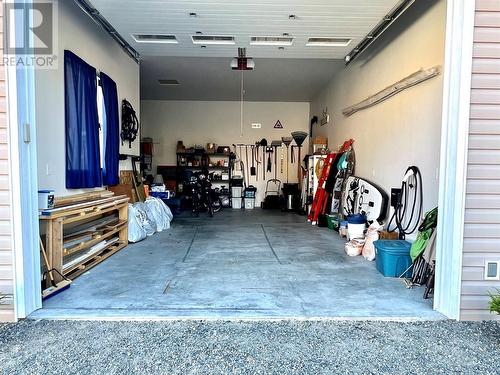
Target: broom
299,138
54,288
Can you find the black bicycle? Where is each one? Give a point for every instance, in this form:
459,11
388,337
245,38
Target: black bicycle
205,198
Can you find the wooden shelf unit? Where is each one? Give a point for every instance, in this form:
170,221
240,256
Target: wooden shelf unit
56,219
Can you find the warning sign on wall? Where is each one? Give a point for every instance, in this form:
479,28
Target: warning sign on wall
278,125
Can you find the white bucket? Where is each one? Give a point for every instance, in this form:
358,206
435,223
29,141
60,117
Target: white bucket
45,199
356,230
249,203
236,203
236,191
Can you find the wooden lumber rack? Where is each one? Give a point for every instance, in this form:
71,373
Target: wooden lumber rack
106,217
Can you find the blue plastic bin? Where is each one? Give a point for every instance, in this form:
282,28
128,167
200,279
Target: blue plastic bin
393,258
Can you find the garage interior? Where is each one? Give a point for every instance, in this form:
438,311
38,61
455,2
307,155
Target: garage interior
213,81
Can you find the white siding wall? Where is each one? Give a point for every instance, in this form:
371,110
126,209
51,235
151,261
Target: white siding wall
6,258
482,214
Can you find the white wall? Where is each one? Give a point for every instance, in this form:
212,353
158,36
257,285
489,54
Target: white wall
78,33
405,129
199,122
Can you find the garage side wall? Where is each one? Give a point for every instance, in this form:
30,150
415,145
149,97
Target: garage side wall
405,129
6,255
482,211
78,33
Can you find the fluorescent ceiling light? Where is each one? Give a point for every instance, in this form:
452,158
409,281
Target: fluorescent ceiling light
212,39
271,41
168,82
155,38
328,42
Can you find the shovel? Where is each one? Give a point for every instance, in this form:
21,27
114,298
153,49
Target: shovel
269,151
252,169
263,144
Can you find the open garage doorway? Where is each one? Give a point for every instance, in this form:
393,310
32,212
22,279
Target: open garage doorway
255,262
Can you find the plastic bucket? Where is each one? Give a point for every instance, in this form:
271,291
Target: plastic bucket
356,230
330,219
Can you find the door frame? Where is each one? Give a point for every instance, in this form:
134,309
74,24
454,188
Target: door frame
453,160
452,187
24,184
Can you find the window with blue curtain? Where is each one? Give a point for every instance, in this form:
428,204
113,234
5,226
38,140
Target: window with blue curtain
111,129
83,169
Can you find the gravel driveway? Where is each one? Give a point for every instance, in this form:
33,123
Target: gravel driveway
214,347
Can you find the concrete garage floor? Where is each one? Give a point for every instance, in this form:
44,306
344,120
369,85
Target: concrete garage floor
240,264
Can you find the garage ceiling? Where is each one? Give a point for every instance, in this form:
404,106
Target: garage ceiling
290,73
290,80
351,19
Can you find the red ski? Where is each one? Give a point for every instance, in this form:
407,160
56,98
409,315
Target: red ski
321,197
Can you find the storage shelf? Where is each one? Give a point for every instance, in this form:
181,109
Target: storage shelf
82,214
94,241
94,260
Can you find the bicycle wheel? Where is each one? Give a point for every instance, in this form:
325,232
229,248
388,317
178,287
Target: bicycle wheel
210,206
217,205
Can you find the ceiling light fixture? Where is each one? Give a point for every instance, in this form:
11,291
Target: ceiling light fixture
281,48
155,38
193,14
292,17
328,42
213,39
271,41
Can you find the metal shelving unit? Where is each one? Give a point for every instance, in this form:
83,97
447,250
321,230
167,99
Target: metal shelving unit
196,161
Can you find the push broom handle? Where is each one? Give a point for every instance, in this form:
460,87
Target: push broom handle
46,259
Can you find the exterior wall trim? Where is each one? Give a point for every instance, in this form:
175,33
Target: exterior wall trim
453,161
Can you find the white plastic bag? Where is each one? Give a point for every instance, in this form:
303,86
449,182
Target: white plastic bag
136,232
160,212
147,220
372,235
354,247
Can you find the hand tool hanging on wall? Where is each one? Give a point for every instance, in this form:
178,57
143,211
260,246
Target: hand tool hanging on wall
269,151
263,144
282,157
257,159
247,173
275,145
287,141
252,169
299,138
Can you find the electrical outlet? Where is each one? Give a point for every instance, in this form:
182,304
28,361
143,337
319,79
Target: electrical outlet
492,270
256,125
395,196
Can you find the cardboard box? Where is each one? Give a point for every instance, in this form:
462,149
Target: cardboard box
320,140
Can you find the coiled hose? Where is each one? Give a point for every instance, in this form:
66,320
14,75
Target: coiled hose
409,207
130,123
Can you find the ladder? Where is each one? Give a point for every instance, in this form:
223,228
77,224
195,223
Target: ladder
321,197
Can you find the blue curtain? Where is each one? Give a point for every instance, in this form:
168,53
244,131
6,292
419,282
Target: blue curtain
83,165
111,128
